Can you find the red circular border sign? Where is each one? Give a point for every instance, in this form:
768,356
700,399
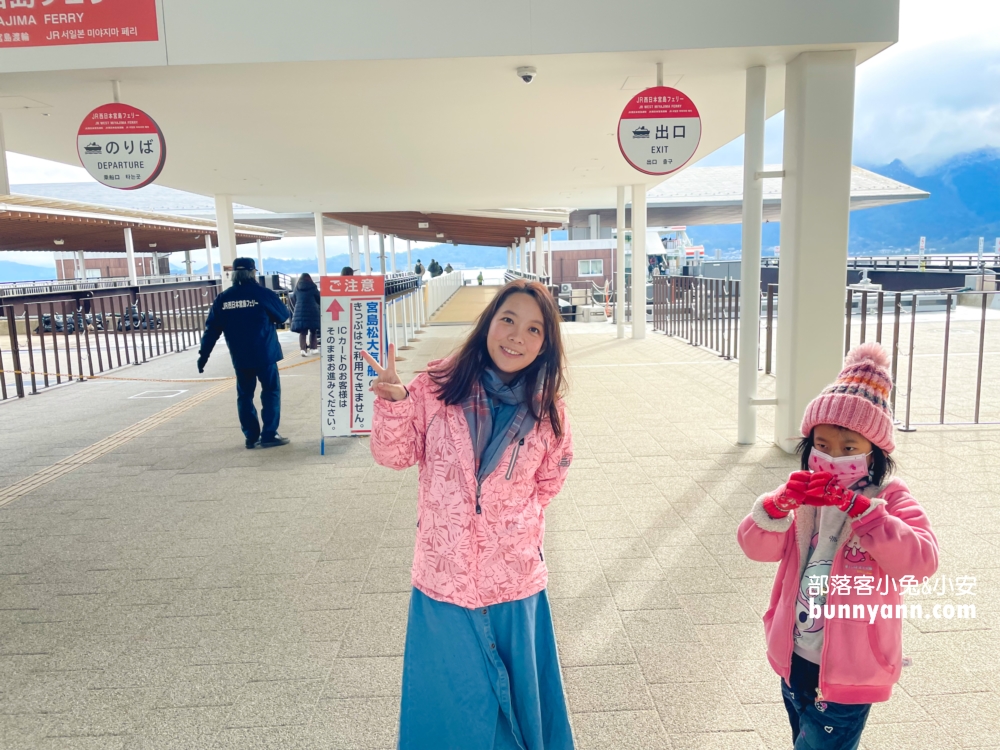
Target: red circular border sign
659,130
139,149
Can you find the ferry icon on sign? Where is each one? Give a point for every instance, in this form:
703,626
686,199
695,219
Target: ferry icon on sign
641,132
92,148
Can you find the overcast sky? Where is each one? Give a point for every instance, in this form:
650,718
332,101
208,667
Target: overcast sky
933,95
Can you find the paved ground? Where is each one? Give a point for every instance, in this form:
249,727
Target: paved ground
182,592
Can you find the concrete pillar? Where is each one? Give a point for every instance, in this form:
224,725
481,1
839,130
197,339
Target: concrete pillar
409,257
753,214
320,242
539,248
595,226
352,243
638,261
130,257
187,262
82,260
4,174
368,249
392,252
227,237
548,254
260,260
524,256
381,253
815,204
620,264
208,256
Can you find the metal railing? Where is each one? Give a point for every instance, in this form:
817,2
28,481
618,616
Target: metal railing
17,288
51,342
705,312
928,261
439,290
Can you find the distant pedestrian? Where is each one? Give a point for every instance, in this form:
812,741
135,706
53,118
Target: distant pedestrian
488,429
246,314
305,314
419,268
479,278
448,268
346,271
842,513
435,269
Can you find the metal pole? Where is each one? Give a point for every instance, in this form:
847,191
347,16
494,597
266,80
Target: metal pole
548,254
208,255
620,264
130,257
524,256
392,252
260,260
187,262
381,253
409,256
539,232
753,214
320,242
368,250
639,261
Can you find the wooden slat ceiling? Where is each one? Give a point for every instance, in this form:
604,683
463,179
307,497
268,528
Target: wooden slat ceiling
461,230
29,230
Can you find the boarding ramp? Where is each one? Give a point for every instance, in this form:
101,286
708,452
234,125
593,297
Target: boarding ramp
465,305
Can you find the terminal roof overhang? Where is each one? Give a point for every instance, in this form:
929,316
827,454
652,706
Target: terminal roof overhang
459,229
33,223
424,113
714,195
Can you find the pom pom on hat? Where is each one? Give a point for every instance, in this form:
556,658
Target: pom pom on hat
858,399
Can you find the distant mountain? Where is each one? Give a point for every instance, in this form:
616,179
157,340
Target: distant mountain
964,206
10,271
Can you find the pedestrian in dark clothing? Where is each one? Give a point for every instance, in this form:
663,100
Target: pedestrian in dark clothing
448,268
305,314
435,269
246,314
419,268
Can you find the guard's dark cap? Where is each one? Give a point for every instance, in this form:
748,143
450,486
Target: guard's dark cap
244,264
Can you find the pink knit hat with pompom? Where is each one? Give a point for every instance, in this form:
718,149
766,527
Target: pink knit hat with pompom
859,398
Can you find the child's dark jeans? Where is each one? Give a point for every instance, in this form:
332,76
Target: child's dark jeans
820,725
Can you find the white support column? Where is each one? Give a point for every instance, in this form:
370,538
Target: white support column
83,265
548,254
320,242
594,220
407,336
208,256
620,265
815,206
187,262
409,257
260,260
227,237
753,214
392,252
368,249
352,239
381,254
638,261
524,256
130,256
4,174
539,249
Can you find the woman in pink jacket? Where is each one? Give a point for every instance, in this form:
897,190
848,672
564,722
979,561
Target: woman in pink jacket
488,429
849,540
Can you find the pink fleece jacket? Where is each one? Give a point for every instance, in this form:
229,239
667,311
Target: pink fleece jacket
861,660
463,557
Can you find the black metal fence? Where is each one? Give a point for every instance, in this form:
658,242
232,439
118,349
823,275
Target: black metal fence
705,312
58,340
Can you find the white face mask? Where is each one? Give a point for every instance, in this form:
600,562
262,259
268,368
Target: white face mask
847,470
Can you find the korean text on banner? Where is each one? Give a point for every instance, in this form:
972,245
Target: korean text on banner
45,23
352,321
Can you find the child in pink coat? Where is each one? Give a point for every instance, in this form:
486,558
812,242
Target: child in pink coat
487,428
849,539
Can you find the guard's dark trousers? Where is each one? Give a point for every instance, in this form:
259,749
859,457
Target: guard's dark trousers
270,400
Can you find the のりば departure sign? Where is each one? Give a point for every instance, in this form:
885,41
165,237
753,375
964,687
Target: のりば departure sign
659,130
121,146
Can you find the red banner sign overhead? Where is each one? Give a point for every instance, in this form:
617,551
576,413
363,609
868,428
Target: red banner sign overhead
49,23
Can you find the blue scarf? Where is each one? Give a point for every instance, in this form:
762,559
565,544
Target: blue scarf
498,415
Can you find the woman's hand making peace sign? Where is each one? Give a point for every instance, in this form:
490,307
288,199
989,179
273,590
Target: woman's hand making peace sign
387,385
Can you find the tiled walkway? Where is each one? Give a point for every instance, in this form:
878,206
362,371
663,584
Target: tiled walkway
182,592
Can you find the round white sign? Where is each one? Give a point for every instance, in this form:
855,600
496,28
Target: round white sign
659,130
121,146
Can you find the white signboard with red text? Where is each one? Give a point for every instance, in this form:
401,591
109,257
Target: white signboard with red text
51,23
659,130
121,146
352,322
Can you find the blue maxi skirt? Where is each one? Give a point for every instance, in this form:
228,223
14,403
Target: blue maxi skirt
482,679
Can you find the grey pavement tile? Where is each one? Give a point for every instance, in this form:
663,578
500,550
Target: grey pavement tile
901,708
44,692
585,614
971,719
633,569
622,730
205,685
699,580
315,625
745,740
335,571
939,673
106,742
651,626
375,677
718,708
23,730
252,613
771,722
563,540
294,737
178,728
752,681
354,724
142,666
673,661
616,687
911,736
572,561
296,660
275,703
594,646
230,646
105,712
378,627
708,609
633,595
323,596
609,549
386,580
590,583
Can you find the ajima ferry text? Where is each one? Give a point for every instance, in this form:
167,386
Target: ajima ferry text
50,19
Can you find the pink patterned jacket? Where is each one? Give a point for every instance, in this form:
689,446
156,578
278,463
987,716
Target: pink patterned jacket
463,557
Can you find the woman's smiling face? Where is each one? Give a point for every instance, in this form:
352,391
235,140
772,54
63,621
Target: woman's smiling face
516,335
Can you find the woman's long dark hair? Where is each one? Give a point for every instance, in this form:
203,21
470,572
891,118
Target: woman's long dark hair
882,464
305,281
454,380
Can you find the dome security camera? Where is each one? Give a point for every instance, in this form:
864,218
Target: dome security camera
527,74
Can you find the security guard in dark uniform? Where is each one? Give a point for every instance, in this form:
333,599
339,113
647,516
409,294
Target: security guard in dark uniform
247,314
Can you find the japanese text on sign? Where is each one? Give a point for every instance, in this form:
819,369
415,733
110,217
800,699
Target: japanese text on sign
48,23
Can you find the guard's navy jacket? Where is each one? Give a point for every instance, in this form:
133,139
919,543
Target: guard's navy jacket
246,314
